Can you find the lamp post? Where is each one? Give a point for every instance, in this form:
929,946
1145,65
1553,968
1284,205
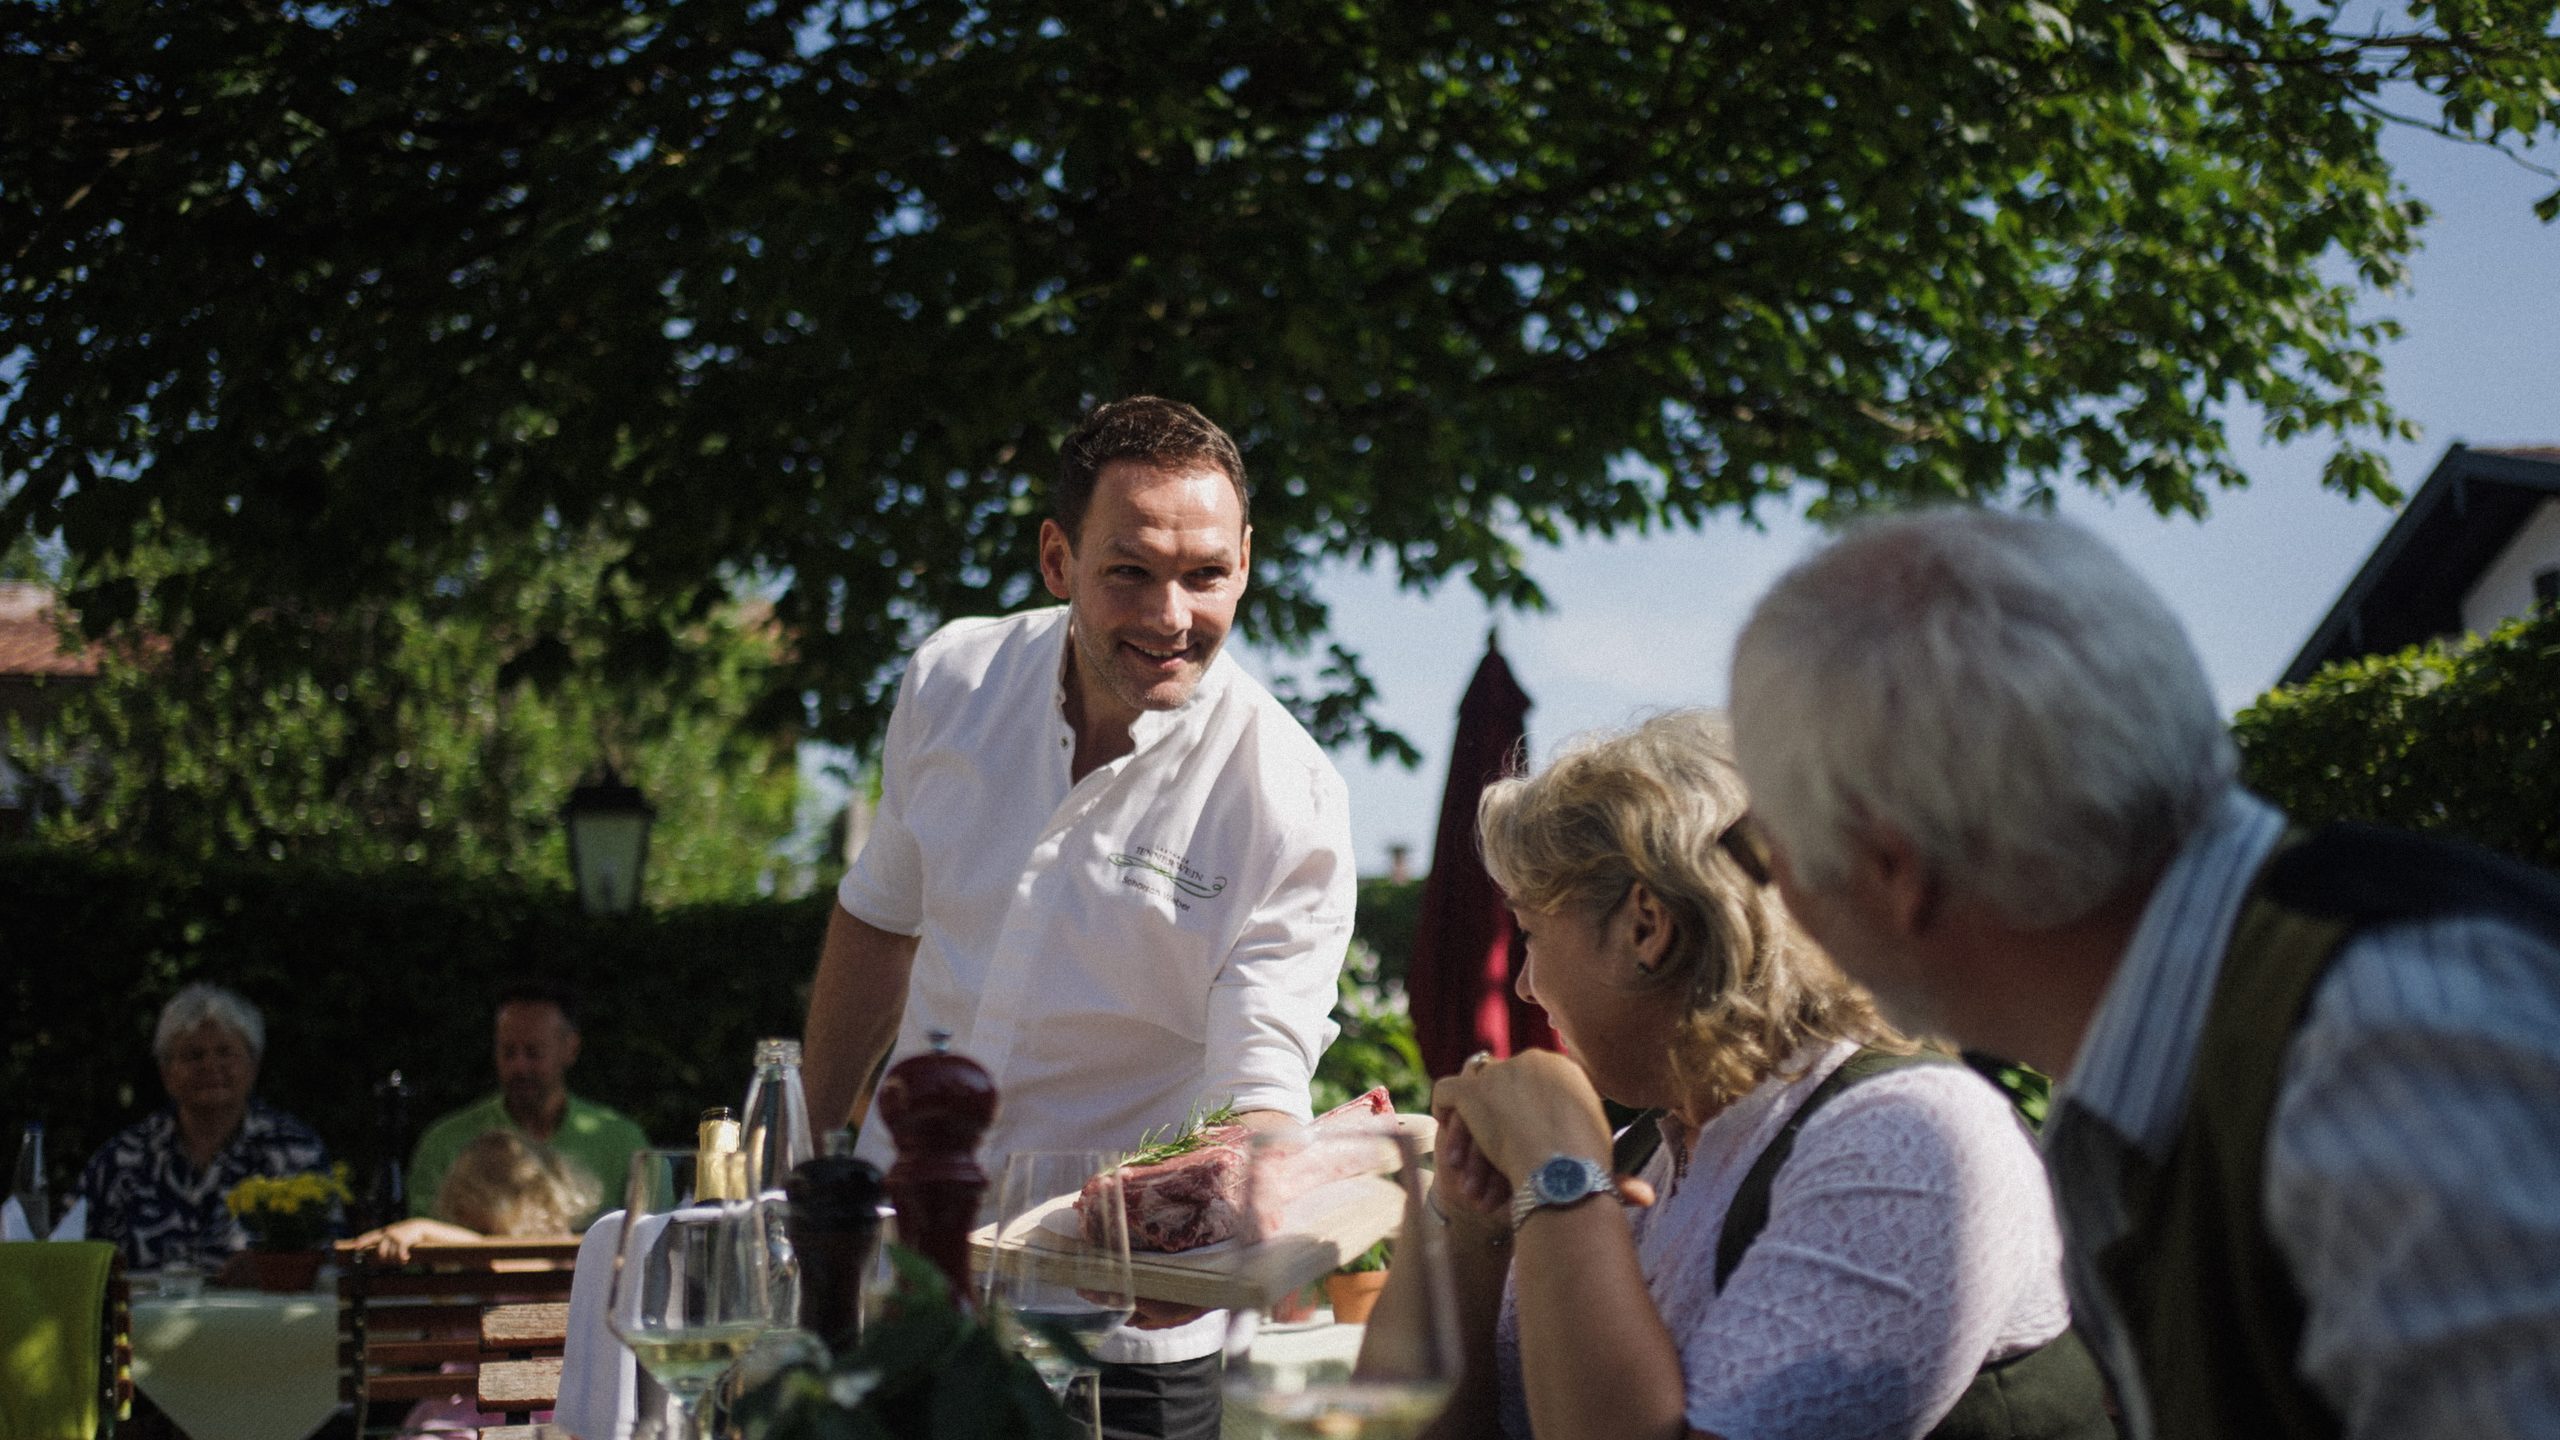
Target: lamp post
608,842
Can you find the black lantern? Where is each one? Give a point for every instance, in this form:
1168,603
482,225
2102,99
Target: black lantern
608,843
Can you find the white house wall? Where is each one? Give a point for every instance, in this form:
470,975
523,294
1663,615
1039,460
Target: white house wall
2505,589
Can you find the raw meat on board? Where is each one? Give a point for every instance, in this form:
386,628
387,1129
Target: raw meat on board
1199,1198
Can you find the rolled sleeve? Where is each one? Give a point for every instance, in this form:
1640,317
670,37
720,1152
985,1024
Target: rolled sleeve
1271,1005
884,887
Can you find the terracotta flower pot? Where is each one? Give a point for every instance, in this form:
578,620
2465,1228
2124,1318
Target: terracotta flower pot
279,1271
1353,1296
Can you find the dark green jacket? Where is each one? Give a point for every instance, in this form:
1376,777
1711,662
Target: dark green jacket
2207,1301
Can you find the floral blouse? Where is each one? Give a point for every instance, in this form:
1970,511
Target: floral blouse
150,1199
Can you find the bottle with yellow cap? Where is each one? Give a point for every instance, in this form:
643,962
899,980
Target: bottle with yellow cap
720,1162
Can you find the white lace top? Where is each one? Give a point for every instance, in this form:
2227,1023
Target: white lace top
1910,1238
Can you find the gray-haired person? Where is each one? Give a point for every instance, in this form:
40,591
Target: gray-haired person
156,1189
2305,1150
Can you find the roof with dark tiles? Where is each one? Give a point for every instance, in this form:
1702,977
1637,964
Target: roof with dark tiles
2451,530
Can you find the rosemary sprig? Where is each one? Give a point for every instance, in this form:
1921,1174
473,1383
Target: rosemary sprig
1156,1146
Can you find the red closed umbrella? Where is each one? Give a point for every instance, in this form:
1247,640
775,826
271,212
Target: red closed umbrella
1465,948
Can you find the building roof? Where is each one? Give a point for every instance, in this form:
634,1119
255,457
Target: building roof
31,637
2412,586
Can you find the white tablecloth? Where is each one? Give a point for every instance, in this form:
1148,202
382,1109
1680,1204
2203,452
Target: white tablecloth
603,1394
1294,1357
238,1365
597,1374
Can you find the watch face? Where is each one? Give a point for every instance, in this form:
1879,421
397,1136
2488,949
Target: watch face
1562,1179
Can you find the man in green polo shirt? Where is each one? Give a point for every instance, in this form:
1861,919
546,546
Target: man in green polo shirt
537,1043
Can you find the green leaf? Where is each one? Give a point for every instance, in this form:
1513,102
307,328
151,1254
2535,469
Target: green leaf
793,315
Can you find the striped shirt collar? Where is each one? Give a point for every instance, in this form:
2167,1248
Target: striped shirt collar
2135,1061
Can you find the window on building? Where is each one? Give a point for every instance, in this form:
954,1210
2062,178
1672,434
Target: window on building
2546,586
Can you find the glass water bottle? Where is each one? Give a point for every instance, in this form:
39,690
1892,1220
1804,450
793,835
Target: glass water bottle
777,1141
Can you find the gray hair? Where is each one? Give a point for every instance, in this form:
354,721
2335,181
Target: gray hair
199,1003
2001,690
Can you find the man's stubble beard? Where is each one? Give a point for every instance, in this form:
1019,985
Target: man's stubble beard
1100,656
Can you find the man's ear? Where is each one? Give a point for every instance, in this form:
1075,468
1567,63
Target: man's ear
571,1046
1907,887
1057,560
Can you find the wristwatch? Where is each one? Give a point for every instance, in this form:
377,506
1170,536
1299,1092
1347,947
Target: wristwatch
1562,1180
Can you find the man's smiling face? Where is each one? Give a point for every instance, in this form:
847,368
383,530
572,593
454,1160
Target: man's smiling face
1151,584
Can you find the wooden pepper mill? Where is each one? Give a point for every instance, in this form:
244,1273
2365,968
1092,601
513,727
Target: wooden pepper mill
936,1107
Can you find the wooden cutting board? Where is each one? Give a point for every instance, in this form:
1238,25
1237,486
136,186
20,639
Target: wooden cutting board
1325,1230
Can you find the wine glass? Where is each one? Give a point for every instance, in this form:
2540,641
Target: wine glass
1315,1199
1061,1263
689,1293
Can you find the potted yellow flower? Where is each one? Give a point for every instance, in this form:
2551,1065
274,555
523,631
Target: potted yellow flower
287,1217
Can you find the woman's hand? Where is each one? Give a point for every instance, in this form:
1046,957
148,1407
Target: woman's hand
1509,1115
1468,1184
392,1241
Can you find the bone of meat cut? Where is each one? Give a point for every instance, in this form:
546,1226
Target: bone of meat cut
1199,1198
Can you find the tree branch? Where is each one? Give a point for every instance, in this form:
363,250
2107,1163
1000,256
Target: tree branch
2440,128
2352,52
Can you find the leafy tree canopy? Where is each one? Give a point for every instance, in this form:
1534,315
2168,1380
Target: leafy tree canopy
401,732
347,294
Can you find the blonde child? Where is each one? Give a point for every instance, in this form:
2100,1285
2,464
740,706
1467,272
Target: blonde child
500,1185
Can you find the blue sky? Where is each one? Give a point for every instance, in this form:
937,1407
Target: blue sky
1647,623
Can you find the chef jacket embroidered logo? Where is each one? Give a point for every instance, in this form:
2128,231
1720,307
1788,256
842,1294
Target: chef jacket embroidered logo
1170,866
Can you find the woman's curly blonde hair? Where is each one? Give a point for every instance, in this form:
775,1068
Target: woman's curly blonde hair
1662,805
504,1184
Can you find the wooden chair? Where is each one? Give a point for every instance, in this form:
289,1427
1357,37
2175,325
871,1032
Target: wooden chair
423,1330
520,1356
115,1357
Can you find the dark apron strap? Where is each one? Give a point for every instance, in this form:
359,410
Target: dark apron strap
2053,1392
1748,1215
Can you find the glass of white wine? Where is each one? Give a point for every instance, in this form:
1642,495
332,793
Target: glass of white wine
1315,1199
1061,1266
690,1288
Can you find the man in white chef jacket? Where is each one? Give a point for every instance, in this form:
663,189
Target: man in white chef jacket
1105,860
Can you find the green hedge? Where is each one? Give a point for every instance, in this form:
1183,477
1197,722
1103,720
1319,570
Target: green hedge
360,974
2461,740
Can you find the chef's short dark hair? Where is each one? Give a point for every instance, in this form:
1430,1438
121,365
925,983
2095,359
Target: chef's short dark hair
1148,429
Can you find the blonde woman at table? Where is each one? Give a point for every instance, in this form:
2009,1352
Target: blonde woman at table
1892,1269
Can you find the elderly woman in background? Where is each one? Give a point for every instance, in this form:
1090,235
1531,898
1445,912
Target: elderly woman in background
156,1189
1835,1236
